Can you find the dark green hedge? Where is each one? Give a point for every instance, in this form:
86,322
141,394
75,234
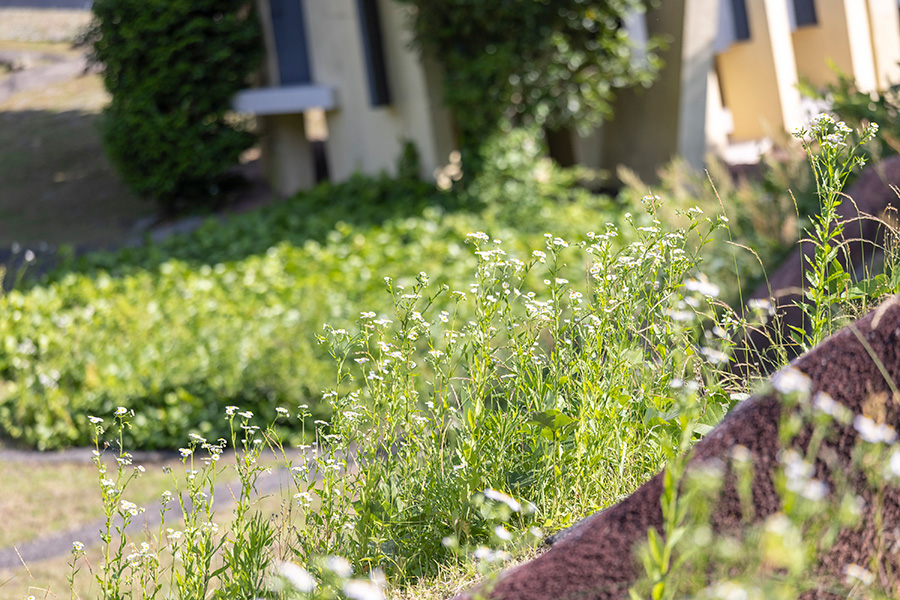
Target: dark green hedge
172,67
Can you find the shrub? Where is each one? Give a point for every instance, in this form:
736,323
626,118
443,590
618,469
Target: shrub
554,64
172,68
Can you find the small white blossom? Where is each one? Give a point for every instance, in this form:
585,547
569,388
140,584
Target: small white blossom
702,286
857,574
360,589
339,565
506,499
297,576
791,380
873,432
129,507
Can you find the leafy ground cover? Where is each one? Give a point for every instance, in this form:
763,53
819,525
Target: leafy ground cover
229,314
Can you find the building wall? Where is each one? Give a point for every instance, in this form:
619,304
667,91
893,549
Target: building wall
652,126
685,113
841,37
758,77
884,23
362,137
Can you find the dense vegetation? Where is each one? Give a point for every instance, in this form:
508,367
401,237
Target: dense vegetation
228,314
514,381
555,64
166,129
525,352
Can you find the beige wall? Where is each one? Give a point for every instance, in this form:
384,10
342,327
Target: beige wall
884,22
681,114
362,137
842,36
651,126
758,77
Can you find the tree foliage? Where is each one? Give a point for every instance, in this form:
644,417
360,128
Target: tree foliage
172,67
556,63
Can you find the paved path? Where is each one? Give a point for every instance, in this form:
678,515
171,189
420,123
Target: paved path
30,24
60,543
59,70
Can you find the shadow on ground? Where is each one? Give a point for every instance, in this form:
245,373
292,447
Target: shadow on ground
56,185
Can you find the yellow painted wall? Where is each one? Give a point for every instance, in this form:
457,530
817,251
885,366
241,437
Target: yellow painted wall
842,35
758,77
884,23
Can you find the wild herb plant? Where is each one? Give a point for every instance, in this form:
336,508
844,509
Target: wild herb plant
776,558
554,395
193,560
469,414
832,161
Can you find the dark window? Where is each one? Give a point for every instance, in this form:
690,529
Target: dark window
741,23
373,52
290,42
805,12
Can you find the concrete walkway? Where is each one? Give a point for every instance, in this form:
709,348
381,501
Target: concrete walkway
59,70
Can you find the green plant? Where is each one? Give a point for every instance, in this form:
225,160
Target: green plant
832,164
554,64
468,406
227,314
775,558
504,388
758,218
860,109
167,128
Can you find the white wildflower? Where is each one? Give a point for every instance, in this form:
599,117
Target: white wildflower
360,589
857,574
873,432
297,576
339,565
496,496
792,380
702,286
